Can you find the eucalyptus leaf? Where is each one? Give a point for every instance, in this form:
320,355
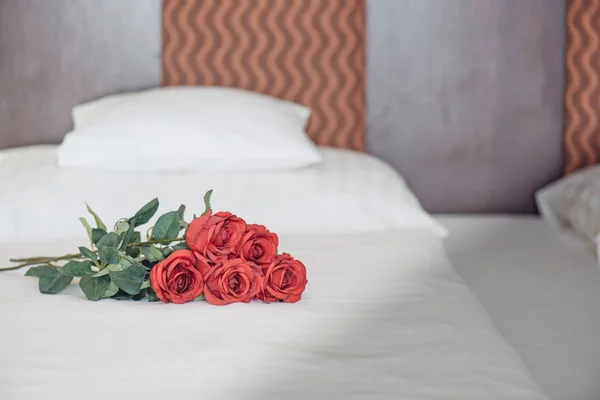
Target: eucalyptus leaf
129,279
152,297
87,227
207,207
166,251
152,254
146,284
129,234
122,227
77,269
94,287
146,213
107,248
133,252
97,234
200,298
140,295
53,282
111,290
87,253
125,263
99,223
167,226
40,271
137,237
121,295
107,269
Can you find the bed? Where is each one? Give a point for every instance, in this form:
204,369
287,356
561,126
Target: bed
384,316
540,291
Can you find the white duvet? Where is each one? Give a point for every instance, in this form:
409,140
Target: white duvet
346,192
384,316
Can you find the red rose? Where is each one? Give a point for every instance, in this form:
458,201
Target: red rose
215,236
284,280
231,281
259,246
177,278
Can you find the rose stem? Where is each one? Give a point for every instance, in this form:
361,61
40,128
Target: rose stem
44,260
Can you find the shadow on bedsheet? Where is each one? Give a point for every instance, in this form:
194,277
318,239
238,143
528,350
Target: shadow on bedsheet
424,345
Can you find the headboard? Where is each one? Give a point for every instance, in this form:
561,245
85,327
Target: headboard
463,97
309,52
582,94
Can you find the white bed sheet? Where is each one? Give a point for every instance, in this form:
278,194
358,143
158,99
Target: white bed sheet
384,317
542,293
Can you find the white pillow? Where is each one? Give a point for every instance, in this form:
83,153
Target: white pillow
191,128
571,206
347,192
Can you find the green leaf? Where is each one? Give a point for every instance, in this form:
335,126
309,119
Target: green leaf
122,227
199,298
146,284
129,234
152,297
207,207
167,226
166,251
77,269
180,246
181,213
111,290
87,227
99,223
107,248
121,295
139,296
133,252
97,234
94,288
146,213
87,253
40,271
137,237
130,279
53,282
107,269
152,254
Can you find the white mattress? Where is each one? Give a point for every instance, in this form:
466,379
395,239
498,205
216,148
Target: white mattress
384,317
543,296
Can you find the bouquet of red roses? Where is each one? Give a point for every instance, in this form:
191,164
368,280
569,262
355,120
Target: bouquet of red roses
220,259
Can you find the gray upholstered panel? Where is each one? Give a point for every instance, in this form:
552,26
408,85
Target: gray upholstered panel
55,54
464,97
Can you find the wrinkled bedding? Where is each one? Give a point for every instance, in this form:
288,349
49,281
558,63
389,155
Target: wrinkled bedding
384,316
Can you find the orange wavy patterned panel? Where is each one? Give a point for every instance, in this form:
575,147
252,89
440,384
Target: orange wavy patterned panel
582,94
310,52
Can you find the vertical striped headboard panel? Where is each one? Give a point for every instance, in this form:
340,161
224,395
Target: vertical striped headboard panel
309,52
582,94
